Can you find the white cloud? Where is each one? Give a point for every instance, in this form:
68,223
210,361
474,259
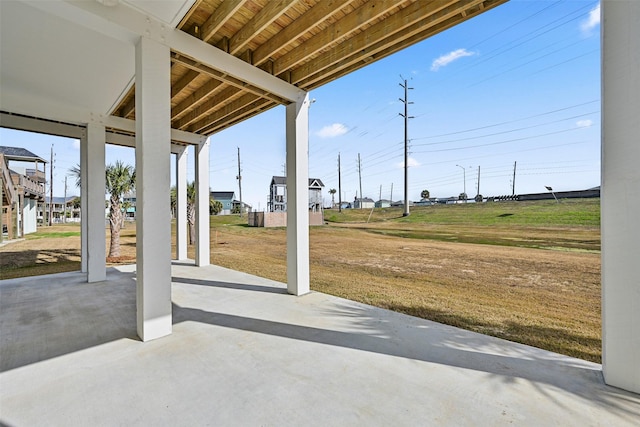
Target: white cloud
413,163
584,123
76,144
592,21
332,131
449,57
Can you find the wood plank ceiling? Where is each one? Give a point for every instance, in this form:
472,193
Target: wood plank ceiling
305,42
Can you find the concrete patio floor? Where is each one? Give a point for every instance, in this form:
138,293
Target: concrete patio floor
243,352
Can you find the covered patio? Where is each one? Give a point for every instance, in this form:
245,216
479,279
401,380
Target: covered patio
160,76
243,352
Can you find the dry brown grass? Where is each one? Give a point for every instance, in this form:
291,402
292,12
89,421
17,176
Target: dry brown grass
544,298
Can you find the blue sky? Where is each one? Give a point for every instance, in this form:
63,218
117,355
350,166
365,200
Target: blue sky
520,83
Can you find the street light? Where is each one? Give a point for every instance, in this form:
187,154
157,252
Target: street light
554,194
464,182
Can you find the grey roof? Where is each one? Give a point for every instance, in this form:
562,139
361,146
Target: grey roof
223,195
366,200
282,180
60,200
20,154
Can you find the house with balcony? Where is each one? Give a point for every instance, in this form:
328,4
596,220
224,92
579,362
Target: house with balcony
23,186
278,194
61,209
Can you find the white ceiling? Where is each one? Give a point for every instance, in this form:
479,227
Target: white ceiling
53,66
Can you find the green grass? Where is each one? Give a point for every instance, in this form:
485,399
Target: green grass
43,234
544,213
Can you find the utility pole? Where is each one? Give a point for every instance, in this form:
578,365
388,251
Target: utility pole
360,178
513,183
339,186
478,181
239,178
406,146
391,196
380,196
64,215
51,188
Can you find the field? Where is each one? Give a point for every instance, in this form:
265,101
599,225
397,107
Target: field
526,271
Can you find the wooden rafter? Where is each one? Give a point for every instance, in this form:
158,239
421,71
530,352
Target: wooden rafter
272,11
309,19
304,42
404,24
333,34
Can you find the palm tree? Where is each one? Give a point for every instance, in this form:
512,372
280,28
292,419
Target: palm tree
75,172
333,199
120,179
191,211
425,194
191,208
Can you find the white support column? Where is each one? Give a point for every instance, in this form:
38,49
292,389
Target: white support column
298,196
619,193
181,204
153,156
84,238
202,204
94,162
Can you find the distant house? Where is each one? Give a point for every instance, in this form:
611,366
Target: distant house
278,194
363,203
383,203
236,207
62,210
400,203
22,191
129,204
227,199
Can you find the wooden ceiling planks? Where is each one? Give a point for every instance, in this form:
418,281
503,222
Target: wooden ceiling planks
305,42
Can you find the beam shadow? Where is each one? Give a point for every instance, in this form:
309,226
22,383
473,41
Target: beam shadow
229,285
432,344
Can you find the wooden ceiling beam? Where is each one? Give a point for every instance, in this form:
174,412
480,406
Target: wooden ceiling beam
196,97
333,33
226,111
240,115
128,108
410,19
205,108
311,18
220,17
184,81
267,15
219,75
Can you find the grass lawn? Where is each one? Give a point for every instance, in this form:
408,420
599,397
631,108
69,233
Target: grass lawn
524,271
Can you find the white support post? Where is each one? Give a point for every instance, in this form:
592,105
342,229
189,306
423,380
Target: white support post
94,161
202,204
84,229
620,204
181,204
298,196
153,156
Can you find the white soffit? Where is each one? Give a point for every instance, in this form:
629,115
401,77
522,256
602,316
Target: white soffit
51,64
169,11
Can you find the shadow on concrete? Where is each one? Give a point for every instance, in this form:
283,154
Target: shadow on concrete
435,343
43,318
229,285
